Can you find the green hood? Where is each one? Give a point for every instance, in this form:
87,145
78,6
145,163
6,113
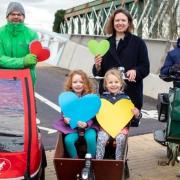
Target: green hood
15,28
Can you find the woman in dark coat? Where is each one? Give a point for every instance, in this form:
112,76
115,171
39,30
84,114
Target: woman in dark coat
128,51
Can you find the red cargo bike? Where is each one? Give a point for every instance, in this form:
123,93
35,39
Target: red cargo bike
20,143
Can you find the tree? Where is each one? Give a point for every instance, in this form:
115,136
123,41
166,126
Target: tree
59,18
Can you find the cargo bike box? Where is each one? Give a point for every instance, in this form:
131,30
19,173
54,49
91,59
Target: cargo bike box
68,168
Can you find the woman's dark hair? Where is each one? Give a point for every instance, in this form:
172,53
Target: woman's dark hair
109,28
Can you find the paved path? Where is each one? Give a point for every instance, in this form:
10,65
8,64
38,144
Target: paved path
143,157
144,154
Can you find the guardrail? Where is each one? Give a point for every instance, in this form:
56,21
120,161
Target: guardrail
55,42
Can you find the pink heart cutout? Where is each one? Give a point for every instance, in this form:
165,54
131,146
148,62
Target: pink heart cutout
36,48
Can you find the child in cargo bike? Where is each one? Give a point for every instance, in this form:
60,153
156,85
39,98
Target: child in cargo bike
78,83
115,85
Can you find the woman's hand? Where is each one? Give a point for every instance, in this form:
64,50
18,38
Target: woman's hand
82,124
66,120
98,61
131,75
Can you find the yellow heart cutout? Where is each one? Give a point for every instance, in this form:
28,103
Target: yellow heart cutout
114,117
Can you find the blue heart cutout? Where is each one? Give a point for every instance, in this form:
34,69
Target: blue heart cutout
79,108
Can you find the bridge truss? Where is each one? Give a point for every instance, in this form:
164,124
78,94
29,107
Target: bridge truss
152,18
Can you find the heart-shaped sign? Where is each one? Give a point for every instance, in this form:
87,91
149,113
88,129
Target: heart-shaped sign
114,117
98,48
79,108
36,48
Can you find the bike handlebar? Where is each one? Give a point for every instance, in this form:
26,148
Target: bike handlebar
170,78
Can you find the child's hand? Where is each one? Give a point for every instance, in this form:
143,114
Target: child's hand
66,120
136,112
82,124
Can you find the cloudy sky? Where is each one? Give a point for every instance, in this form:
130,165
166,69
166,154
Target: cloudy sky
40,13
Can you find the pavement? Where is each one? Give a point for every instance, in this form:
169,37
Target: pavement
146,160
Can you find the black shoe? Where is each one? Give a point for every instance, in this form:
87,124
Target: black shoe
126,171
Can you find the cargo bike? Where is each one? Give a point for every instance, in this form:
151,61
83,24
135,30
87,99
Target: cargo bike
85,167
168,107
21,149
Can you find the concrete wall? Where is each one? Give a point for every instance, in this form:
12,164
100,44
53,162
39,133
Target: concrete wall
76,55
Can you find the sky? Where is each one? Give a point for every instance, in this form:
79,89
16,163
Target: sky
40,13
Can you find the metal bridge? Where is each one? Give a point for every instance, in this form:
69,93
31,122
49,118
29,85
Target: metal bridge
158,19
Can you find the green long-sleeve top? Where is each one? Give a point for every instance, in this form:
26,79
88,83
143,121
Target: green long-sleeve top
14,46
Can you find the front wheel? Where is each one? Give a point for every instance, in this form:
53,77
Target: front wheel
42,175
126,171
169,152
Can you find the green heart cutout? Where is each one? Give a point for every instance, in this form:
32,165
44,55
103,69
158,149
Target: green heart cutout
98,48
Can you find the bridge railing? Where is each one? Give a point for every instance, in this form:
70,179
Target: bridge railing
55,42
152,18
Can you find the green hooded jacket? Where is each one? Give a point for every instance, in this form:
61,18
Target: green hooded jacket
14,46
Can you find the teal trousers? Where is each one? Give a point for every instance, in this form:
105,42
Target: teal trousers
90,137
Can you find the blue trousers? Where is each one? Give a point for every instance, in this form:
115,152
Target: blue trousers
90,137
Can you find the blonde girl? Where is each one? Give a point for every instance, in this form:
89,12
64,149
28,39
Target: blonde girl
114,85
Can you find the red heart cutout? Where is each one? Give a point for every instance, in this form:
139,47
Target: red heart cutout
36,48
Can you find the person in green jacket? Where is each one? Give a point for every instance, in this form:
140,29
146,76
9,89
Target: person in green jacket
15,38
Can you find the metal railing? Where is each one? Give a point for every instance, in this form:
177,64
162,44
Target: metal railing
152,18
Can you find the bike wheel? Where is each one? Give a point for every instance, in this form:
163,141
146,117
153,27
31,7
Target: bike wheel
169,152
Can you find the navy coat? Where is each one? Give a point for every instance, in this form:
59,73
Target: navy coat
172,59
130,54
115,98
